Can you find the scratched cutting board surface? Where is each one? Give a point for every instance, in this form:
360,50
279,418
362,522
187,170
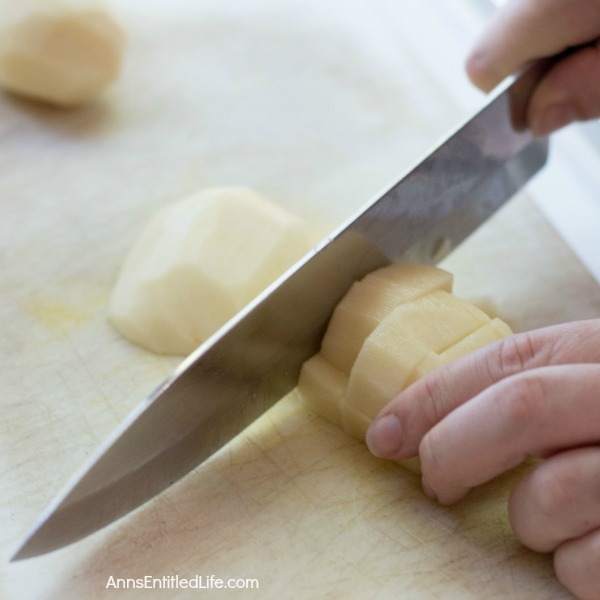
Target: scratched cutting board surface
319,108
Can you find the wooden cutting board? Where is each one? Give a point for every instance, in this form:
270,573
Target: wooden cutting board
293,103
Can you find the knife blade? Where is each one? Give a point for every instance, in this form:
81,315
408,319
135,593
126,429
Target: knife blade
255,359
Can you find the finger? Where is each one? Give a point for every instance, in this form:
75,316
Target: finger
524,30
558,500
416,410
569,92
577,565
533,413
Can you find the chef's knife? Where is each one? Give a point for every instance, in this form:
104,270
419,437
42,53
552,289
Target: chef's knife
255,359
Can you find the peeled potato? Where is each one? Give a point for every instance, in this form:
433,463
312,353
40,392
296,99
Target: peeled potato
393,327
369,301
324,378
200,261
323,387
63,52
412,334
486,334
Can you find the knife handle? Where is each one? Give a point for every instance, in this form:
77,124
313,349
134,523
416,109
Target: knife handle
525,83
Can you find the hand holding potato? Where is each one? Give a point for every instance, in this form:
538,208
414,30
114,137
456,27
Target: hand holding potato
526,30
534,393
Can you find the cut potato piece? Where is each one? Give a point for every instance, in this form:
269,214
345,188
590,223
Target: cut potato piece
405,339
495,330
382,338
323,387
415,279
356,423
378,373
64,52
200,261
369,301
486,334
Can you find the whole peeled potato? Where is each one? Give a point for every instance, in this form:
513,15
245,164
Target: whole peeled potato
64,52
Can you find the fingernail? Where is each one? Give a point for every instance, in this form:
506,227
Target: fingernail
553,118
384,436
428,490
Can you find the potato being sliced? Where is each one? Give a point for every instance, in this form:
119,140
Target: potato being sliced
386,333
486,334
365,305
354,422
323,387
404,339
369,301
382,368
415,279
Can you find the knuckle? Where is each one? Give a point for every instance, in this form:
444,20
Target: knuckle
432,462
555,502
576,565
513,355
552,490
434,409
522,402
536,505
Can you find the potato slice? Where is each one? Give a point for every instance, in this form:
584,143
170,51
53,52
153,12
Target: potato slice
64,52
486,334
324,378
369,301
404,339
323,387
200,261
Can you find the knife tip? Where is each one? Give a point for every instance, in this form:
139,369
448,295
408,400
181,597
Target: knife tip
50,532
27,549
20,554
